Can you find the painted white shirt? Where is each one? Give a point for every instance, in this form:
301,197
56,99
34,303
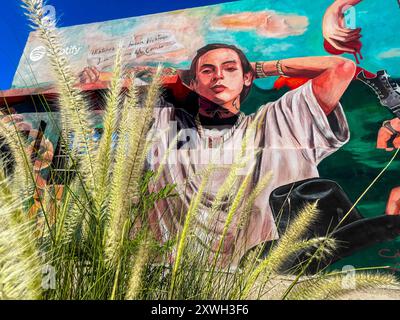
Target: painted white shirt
293,135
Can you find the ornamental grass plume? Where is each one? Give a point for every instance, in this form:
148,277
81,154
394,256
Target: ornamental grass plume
232,213
240,162
20,268
137,150
24,180
249,202
135,282
20,265
117,204
103,162
335,286
128,169
289,243
194,204
74,108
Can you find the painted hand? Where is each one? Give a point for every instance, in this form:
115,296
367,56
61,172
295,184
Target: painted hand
89,75
339,38
385,136
393,204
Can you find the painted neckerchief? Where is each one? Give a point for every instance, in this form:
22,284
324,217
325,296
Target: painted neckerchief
216,114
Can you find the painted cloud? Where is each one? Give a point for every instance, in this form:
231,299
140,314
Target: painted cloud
392,53
269,24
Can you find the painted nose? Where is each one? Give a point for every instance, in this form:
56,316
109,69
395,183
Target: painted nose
219,74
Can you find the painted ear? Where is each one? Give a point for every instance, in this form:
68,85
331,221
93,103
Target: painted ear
248,79
192,84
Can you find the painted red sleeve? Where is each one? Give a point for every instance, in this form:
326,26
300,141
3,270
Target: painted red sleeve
178,89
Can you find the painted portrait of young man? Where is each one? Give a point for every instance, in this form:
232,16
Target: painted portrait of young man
293,135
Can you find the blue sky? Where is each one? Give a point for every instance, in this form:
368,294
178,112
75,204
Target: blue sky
14,27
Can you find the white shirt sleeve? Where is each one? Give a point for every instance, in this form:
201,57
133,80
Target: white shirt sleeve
296,120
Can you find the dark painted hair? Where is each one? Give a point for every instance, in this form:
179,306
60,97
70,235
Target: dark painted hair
246,66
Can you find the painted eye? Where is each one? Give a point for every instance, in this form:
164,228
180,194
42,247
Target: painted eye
231,69
206,71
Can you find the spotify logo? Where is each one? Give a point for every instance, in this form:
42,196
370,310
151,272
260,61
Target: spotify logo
38,53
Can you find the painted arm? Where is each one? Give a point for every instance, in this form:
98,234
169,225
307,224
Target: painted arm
384,136
330,76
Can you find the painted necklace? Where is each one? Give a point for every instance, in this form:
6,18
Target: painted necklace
216,141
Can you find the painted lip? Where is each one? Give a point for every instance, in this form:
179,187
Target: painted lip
218,88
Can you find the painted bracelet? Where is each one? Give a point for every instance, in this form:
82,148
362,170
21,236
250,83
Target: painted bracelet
260,70
279,68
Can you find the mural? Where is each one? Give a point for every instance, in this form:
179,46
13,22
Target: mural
267,52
